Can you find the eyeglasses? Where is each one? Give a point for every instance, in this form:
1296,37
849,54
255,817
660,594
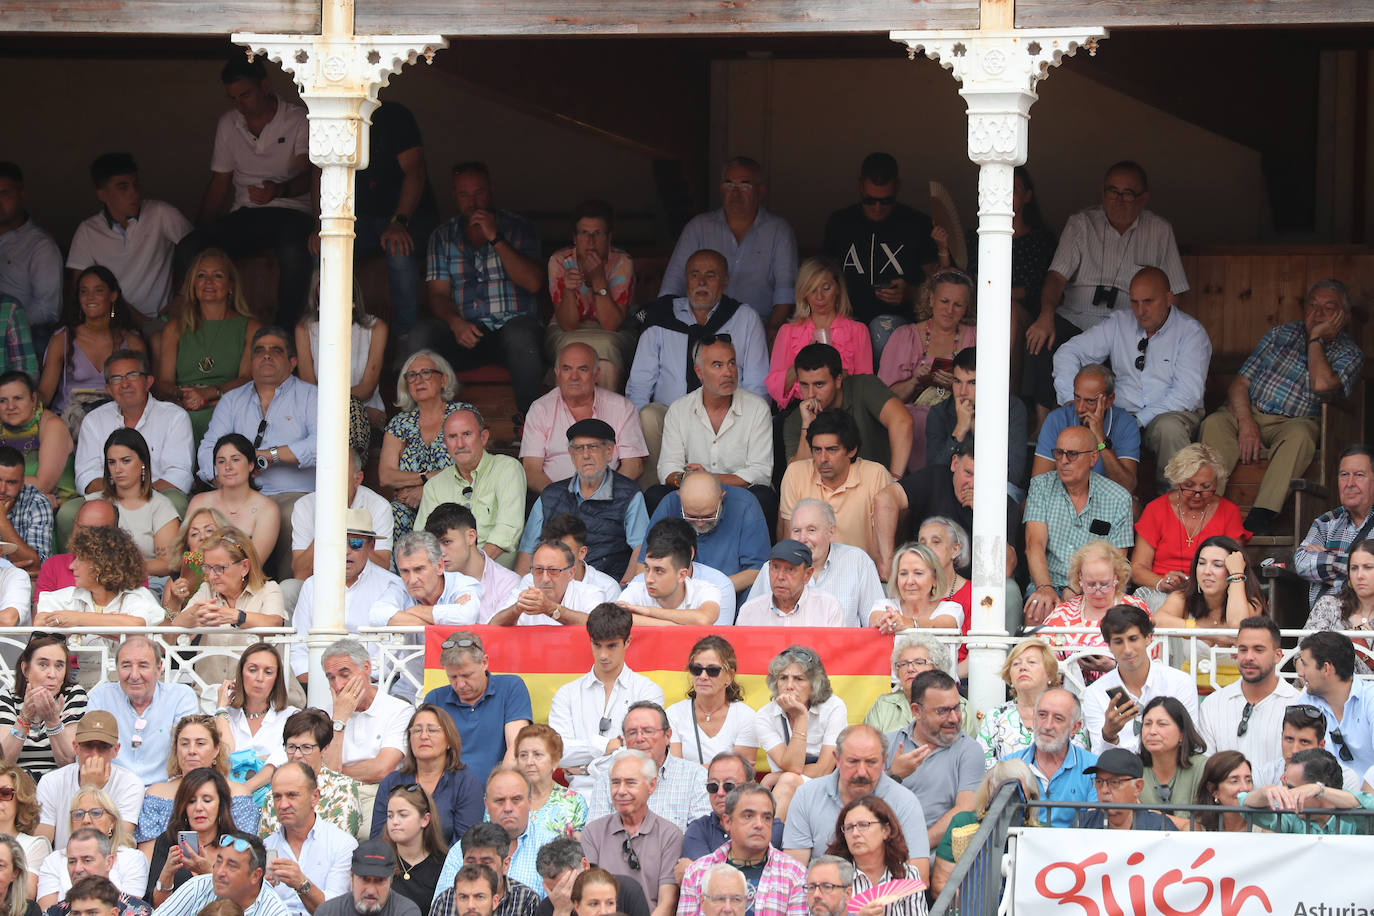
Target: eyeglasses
1197,490
738,185
825,887
856,826
587,448
80,814
133,376
1067,454
1101,782
357,543
868,200
701,519
712,787
420,375
293,749
1244,725
943,712
262,429
631,859
1100,587
239,845
711,671
715,339
548,570
1127,194
1309,711
1142,345
1345,753
642,733
425,730
6,793
216,569
915,663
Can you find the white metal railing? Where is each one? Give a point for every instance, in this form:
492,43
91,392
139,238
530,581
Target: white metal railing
399,652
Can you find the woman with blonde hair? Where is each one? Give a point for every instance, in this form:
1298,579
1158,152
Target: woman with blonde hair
1171,527
1030,670
16,893
823,315
368,337
413,447
1098,576
185,551
19,818
196,743
204,350
91,807
942,862
236,594
916,594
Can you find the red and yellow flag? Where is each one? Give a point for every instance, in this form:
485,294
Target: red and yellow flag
858,660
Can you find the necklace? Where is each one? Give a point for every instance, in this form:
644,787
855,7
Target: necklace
954,586
1200,518
254,716
707,715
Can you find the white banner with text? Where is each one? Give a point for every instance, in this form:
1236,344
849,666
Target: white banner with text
1137,873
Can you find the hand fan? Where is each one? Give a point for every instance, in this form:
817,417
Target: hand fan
885,893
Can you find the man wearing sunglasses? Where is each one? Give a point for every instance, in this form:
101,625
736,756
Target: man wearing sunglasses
706,834
632,840
767,881
1160,356
166,427
1304,728
884,246
1248,715
1326,663
237,875
549,595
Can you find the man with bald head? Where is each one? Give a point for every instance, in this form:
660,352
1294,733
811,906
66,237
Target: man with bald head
1160,357
1065,509
577,396
663,368
732,535
56,571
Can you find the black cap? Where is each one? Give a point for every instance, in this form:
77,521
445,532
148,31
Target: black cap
374,859
1119,762
790,551
591,428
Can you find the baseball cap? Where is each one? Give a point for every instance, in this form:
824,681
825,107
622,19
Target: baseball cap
790,551
374,859
1119,762
98,725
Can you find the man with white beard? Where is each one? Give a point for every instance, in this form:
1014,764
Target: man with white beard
1056,762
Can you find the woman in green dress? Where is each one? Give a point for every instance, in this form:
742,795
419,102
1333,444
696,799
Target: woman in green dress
205,350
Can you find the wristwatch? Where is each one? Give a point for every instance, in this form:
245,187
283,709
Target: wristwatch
1104,444
261,462
602,292
273,452
401,220
556,612
338,726
498,239
305,887
242,619
1321,789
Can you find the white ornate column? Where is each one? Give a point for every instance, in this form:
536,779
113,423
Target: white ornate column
339,75
998,70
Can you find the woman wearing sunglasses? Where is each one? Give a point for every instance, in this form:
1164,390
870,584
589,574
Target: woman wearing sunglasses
1171,527
412,832
201,805
714,717
236,494
252,709
867,833
434,760
305,736
236,594
18,818
94,808
196,744
1099,574
1174,755
38,720
538,749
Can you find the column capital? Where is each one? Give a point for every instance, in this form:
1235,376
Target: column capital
339,78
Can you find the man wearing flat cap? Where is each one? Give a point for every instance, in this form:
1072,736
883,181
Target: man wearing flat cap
791,601
370,894
610,503
97,743
1119,776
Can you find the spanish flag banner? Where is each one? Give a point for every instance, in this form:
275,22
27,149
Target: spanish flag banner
858,660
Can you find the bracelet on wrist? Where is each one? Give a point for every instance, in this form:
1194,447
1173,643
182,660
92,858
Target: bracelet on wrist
22,736
222,711
1238,577
1159,583
52,731
21,722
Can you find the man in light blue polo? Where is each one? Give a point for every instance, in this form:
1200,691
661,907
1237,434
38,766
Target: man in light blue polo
488,709
1326,663
858,772
145,707
1056,761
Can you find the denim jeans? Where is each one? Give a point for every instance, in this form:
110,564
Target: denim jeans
404,272
518,345
880,330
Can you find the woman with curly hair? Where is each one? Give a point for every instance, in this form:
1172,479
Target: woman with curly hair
799,726
205,350
145,513
196,744
19,817
109,591
44,708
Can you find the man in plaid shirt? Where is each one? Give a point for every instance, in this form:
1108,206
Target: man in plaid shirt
1275,401
772,878
1324,555
25,514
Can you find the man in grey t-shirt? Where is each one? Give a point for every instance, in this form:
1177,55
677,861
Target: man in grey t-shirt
370,894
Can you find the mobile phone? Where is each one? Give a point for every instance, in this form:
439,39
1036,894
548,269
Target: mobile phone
1118,695
189,839
271,857
942,365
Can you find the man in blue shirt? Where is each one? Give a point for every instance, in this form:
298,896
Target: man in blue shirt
732,534
145,707
1059,764
1115,431
1326,663
488,709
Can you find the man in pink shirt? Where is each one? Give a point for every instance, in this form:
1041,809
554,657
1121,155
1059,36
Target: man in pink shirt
544,446
56,571
791,601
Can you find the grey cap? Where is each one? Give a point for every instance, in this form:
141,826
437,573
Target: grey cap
790,551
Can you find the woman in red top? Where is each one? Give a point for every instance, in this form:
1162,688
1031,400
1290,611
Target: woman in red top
1172,527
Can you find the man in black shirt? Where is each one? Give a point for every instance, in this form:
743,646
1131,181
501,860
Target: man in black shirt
559,863
884,247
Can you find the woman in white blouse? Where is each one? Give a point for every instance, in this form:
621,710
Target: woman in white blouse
714,717
252,709
916,594
799,726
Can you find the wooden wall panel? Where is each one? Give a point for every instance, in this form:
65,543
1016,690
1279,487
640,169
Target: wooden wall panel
1164,13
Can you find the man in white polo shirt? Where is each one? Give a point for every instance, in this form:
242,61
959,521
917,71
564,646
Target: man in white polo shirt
97,743
261,174
790,600
133,237
1247,716
666,593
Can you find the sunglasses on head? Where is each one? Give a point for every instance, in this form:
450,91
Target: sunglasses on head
466,642
240,845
